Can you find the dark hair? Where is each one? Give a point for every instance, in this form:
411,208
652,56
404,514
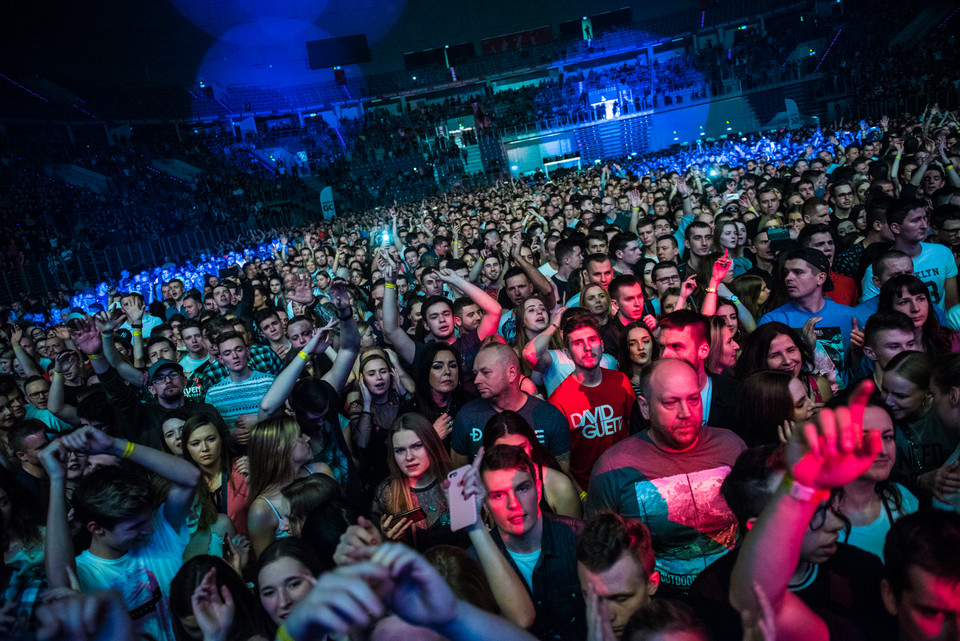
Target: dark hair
899,210
928,539
507,457
22,430
324,525
247,620
625,365
884,321
621,281
424,398
509,422
113,494
573,323
682,319
195,422
747,488
659,616
765,403
754,350
230,335
288,547
464,575
946,372
607,536
261,315
932,336
619,243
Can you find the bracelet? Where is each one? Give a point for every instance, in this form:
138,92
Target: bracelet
283,634
56,373
137,333
302,354
127,450
949,167
711,290
93,357
390,285
802,492
17,348
106,334
583,496
136,325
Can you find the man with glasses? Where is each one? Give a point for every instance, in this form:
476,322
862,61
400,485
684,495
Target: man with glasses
665,275
841,195
610,215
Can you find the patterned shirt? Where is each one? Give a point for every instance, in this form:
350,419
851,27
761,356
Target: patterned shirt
262,359
232,399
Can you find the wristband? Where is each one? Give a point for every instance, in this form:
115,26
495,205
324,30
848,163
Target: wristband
711,290
390,285
127,450
136,325
302,354
106,334
56,373
282,634
583,496
802,492
93,357
137,333
949,167
17,348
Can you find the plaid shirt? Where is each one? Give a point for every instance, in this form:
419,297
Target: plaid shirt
262,359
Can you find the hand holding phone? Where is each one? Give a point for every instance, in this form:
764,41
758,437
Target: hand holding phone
465,492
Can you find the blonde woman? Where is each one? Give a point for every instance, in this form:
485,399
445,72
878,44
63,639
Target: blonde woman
279,454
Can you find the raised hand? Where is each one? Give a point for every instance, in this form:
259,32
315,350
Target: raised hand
420,596
89,440
213,608
834,448
134,308
302,290
358,543
688,287
721,267
53,458
86,336
106,324
809,331
856,336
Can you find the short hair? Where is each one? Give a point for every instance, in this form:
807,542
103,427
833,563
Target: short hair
513,272
619,243
747,488
880,264
621,281
226,336
659,616
190,322
885,321
663,266
156,340
681,319
435,300
899,210
506,457
697,224
24,429
112,494
669,238
607,536
928,539
461,303
573,323
877,207
809,207
261,315
805,237
597,258
565,248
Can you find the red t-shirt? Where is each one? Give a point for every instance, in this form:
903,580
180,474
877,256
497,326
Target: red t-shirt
598,417
844,290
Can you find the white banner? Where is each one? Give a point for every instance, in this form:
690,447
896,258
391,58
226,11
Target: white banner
327,208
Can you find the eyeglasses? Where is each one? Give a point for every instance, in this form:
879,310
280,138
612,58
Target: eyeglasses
170,376
666,280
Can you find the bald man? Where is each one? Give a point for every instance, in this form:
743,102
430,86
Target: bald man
669,476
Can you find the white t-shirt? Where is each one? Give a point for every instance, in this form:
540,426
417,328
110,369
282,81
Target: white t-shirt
141,575
934,265
547,270
149,322
526,563
189,363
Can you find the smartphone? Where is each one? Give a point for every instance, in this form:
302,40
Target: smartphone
386,238
415,515
463,512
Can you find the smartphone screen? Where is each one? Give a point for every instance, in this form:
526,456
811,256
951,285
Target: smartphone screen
415,515
463,512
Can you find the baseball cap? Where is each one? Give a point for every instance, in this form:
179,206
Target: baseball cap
816,258
160,364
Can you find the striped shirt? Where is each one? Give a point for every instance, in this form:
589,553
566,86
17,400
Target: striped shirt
233,399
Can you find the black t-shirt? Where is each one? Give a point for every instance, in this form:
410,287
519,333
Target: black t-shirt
844,591
467,344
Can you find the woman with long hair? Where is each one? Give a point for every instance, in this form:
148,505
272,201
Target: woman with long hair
752,291
776,346
418,464
303,496
206,445
559,493
772,403
723,347
284,577
873,502
595,299
637,348
246,622
532,318
439,393
908,294
725,235
278,455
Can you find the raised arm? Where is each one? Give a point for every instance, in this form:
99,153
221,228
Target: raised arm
822,456
56,402
283,384
540,282
391,314
720,269
349,340
29,366
106,325
537,351
58,553
491,308
183,476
